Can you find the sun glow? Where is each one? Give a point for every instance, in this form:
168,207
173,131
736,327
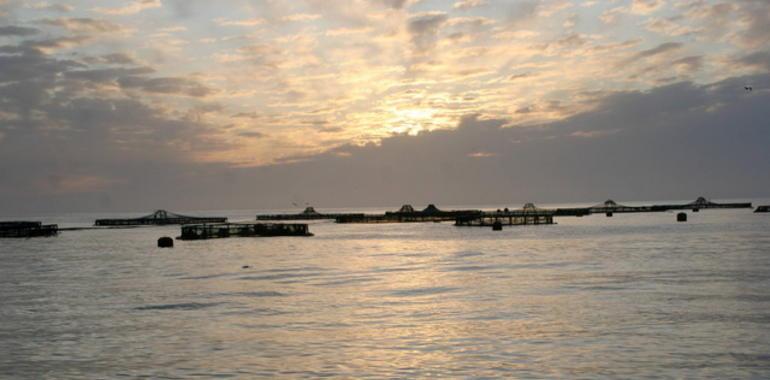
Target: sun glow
414,120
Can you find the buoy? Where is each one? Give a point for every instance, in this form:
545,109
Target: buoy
609,214
165,242
681,217
497,226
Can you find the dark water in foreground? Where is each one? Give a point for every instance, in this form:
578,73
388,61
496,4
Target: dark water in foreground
634,296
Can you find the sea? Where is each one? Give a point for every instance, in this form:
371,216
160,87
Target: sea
633,296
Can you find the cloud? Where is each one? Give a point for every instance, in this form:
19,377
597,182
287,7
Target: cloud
758,60
756,24
58,8
663,48
634,145
20,31
135,78
301,17
252,134
166,85
637,7
646,6
612,16
481,154
134,7
112,59
317,75
740,23
83,25
78,184
523,12
468,4
77,140
671,26
245,22
44,46
423,29
690,63
397,4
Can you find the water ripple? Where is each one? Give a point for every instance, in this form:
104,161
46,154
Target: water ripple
179,306
419,292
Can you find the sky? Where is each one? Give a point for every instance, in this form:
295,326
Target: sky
196,105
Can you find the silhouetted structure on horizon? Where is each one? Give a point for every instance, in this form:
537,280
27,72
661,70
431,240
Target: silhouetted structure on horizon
702,203
159,218
14,229
225,230
527,215
610,207
407,214
308,214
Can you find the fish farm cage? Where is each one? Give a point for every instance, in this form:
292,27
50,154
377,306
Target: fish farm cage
225,230
309,214
159,218
528,215
27,229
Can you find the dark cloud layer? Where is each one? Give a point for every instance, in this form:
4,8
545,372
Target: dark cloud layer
677,141
13,30
59,138
760,60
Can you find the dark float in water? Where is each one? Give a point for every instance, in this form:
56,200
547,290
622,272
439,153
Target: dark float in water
165,242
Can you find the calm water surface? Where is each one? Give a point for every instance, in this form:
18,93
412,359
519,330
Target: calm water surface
633,296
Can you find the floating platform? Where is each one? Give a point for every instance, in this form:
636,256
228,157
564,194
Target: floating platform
762,209
225,230
309,214
574,211
27,229
528,215
159,218
702,203
610,207
407,214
